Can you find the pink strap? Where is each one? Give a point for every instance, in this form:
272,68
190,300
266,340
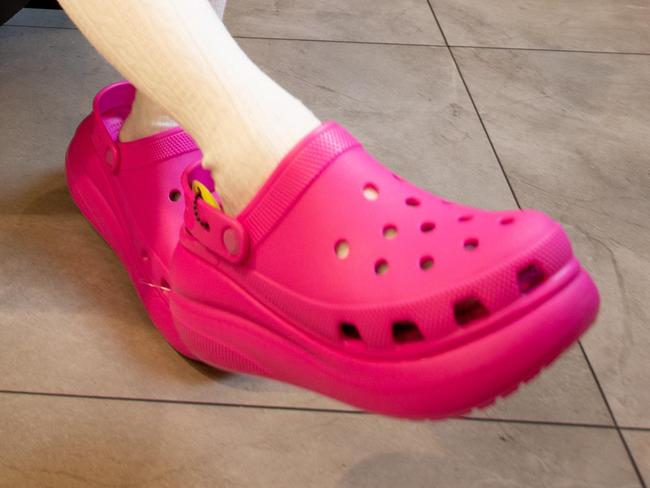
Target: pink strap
293,176
159,147
215,230
231,237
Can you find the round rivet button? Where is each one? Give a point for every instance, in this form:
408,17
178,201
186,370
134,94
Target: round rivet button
230,241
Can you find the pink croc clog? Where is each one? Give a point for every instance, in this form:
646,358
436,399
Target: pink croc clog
339,276
130,193
343,278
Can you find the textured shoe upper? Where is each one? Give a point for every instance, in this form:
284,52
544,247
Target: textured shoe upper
343,248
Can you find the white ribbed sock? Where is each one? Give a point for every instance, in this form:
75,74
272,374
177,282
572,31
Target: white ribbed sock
179,55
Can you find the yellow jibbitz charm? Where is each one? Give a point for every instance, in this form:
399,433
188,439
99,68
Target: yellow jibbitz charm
202,191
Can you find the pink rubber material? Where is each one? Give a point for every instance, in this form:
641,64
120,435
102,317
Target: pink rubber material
280,300
437,308
126,191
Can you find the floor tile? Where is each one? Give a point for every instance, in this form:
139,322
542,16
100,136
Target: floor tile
406,21
600,25
39,17
639,443
572,133
406,103
72,323
47,80
79,442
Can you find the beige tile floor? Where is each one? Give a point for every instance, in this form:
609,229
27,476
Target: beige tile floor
548,107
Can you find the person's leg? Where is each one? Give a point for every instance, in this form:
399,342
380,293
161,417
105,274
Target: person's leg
147,117
179,54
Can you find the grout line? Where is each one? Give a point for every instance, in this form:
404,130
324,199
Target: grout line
339,41
382,43
634,429
611,413
550,50
178,402
471,98
38,26
260,38
548,423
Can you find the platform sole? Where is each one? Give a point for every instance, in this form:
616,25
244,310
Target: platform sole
440,385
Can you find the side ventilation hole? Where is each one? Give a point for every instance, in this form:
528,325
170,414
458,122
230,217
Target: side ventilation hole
469,310
507,220
370,192
404,332
381,267
412,202
390,232
175,195
470,244
164,283
342,249
426,263
350,332
144,255
427,227
465,218
530,278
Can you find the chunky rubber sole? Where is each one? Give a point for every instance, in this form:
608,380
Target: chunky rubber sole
441,385
518,343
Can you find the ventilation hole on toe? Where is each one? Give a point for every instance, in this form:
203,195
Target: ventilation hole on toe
342,249
507,220
398,177
390,232
144,255
371,192
465,218
469,310
530,278
412,202
164,283
381,267
427,226
350,332
470,244
445,202
426,263
404,332
175,195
